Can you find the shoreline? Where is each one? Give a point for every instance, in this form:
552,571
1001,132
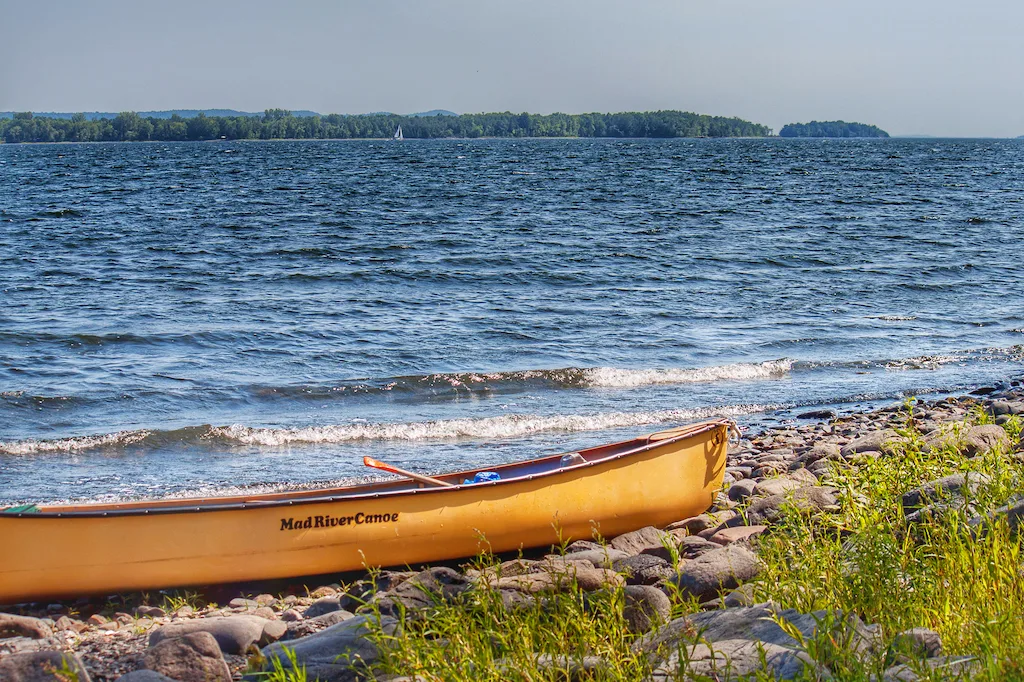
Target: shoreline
113,635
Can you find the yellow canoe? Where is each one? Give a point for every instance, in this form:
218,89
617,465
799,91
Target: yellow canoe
69,551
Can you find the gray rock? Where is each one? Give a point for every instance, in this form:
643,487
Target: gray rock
645,607
41,666
758,623
604,557
942,668
1007,407
741,596
808,499
716,571
23,626
777,486
234,634
643,569
734,659
981,439
1012,514
949,489
144,676
424,589
817,414
917,643
742,489
338,654
150,612
695,546
306,627
195,657
322,606
582,546
880,441
638,540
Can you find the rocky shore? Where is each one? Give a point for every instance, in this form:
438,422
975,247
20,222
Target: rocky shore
696,597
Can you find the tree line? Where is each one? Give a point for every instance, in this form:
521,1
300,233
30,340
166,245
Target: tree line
277,124
831,129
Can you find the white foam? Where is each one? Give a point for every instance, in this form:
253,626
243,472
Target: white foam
610,377
486,428
32,447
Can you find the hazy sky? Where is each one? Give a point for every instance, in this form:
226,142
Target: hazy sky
941,67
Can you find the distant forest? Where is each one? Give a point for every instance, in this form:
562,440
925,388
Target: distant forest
279,124
831,129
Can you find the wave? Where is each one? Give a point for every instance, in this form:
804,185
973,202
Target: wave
484,428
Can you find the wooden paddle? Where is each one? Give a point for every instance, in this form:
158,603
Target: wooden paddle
377,464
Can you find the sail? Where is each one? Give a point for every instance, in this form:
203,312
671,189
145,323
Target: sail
398,134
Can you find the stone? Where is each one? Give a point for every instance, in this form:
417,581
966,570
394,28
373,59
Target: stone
716,571
817,414
12,625
638,540
941,668
742,489
643,569
803,476
734,659
808,499
234,634
693,525
424,589
305,627
695,546
985,438
880,441
744,595
582,546
341,653
240,603
322,606
194,657
917,643
645,607
727,536
1012,514
150,612
949,489
758,623
777,486
144,676
290,616
41,666
586,578
602,558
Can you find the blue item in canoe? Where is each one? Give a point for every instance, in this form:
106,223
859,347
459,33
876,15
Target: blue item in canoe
483,477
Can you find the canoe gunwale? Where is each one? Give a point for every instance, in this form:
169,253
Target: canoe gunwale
646,444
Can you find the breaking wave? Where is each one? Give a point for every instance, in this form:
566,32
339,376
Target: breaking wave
485,428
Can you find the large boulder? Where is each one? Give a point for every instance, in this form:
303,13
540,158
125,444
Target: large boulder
719,570
341,653
234,634
194,657
41,666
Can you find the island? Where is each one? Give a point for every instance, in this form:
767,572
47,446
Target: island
277,124
831,129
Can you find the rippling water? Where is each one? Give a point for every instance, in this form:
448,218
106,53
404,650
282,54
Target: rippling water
194,317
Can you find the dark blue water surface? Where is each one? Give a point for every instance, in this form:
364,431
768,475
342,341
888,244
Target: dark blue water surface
195,317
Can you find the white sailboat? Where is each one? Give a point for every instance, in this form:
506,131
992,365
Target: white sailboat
398,134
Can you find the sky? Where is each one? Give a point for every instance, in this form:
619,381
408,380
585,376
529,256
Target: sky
936,67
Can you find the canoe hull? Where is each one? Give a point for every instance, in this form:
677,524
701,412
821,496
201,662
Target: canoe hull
50,555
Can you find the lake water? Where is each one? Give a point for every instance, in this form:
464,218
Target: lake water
197,317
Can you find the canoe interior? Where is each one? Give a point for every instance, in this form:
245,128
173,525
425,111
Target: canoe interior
516,470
